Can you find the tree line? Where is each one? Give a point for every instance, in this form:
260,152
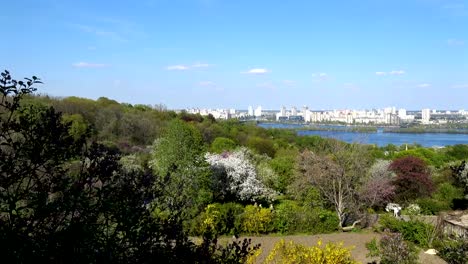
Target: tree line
100,181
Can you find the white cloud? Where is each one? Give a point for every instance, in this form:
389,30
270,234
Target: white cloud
257,71
455,42
394,72
462,86
89,65
424,85
201,65
177,68
398,72
181,67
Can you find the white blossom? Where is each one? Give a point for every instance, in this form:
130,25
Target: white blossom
241,175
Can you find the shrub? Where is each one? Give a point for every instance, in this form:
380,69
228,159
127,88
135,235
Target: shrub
393,250
231,216
413,209
291,218
257,220
431,206
446,192
239,251
289,253
414,231
454,251
218,219
325,221
287,217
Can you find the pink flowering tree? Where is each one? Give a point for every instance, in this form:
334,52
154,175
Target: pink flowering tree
378,189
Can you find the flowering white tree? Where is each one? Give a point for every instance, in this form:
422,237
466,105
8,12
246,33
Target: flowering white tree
240,177
378,189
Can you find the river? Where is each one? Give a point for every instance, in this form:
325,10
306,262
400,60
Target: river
379,138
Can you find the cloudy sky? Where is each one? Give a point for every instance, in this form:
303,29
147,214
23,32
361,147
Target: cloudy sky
232,54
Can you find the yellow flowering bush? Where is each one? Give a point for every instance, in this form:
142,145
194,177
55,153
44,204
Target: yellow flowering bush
257,220
291,253
211,219
253,256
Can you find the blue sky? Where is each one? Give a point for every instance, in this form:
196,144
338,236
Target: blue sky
232,54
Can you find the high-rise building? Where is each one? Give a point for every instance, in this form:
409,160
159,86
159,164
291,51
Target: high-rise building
402,113
251,111
283,111
426,115
294,111
258,111
387,110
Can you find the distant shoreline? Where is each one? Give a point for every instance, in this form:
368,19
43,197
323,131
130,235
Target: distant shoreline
361,128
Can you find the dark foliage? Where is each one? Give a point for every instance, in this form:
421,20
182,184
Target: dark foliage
412,180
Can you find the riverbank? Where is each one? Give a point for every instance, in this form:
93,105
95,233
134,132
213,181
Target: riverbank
361,128
422,130
376,138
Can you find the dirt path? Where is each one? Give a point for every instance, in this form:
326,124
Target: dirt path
357,241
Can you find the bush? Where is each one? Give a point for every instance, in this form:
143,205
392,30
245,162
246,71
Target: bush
257,220
325,222
218,219
431,206
290,252
231,216
291,218
454,251
287,217
413,209
415,231
446,192
232,253
393,250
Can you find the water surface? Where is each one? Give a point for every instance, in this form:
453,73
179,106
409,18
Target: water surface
379,138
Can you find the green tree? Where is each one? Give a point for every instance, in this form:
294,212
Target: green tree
283,165
180,167
221,144
78,125
261,146
64,202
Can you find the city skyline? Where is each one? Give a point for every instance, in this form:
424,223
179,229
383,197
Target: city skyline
218,54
